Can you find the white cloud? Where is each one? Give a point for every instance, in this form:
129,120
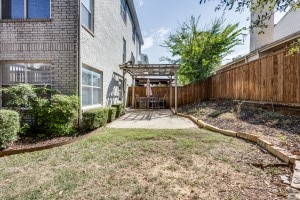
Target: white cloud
148,42
140,2
156,37
162,32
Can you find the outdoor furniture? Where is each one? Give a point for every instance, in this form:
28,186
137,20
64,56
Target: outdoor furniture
154,102
141,102
161,102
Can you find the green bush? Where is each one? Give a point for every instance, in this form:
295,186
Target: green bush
9,127
56,116
95,118
112,111
120,109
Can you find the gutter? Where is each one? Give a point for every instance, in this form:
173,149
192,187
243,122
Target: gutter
79,65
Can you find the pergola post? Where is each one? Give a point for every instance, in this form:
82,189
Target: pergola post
176,92
171,92
123,89
133,95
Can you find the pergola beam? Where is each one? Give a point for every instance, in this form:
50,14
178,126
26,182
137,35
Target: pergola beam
168,70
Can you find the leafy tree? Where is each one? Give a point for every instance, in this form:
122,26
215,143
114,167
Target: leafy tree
259,6
200,51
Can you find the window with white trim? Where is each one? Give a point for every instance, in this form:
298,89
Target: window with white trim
123,10
87,13
124,50
38,74
33,73
25,9
92,87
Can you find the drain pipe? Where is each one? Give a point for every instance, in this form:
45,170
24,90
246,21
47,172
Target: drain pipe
79,65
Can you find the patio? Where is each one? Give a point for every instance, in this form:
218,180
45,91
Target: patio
151,70
151,119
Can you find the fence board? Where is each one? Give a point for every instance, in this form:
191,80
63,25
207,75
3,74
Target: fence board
273,78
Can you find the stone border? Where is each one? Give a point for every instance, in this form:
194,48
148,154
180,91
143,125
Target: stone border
278,152
50,146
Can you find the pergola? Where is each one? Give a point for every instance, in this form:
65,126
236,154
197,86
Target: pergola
140,70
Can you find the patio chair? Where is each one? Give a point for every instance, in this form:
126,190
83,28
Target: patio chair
140,102
154,102
161,101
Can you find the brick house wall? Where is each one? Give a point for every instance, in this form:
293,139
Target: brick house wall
102,48
53,41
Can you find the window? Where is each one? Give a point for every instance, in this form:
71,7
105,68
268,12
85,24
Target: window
133,34
38,74
92,90
25,9
124,50
87,13
33,73
123,10
132,59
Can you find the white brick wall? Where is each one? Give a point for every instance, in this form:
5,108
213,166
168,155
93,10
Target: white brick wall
103,49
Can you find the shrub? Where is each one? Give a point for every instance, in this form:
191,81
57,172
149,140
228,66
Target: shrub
112,111
9,127
56,116
93,119
120,109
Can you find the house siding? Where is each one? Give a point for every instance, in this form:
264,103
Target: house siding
52,40
288,25
103,49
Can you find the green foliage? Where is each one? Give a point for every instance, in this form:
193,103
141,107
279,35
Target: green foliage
120,109
55,116
52,113
294,47
9,127
95,118
259,6
112,111
200,51
19,96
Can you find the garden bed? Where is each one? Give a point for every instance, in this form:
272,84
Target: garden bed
279,128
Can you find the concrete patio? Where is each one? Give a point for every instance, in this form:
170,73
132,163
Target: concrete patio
151,119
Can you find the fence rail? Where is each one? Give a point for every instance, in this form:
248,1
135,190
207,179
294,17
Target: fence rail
274,78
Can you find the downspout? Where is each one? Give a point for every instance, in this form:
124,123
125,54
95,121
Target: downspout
79,65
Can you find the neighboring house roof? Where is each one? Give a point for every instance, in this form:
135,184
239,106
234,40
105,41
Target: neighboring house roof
288,25
265,48
135,20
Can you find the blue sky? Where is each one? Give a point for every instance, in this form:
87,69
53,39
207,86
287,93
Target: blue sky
159,18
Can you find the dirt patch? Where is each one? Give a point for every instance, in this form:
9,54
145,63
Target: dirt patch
278,128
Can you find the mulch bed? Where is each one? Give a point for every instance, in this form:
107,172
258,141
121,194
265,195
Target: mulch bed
34,142
279,128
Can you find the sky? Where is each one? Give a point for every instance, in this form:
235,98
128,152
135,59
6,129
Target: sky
159,18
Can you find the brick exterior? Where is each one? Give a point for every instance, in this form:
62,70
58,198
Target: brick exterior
54,40
103,49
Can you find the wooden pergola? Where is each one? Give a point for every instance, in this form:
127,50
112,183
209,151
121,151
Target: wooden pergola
142,70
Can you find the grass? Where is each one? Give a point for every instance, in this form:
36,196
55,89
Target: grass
135,164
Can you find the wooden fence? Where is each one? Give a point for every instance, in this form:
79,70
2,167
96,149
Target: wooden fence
274,78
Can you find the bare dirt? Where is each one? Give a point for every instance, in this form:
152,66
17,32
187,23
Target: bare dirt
279,128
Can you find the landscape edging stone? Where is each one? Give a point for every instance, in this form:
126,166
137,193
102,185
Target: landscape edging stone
266,145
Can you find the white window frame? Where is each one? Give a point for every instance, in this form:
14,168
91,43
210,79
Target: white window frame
123,10
25,11
124,56
92,71
91,12
24,76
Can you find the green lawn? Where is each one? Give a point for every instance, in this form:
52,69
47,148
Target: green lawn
140,164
